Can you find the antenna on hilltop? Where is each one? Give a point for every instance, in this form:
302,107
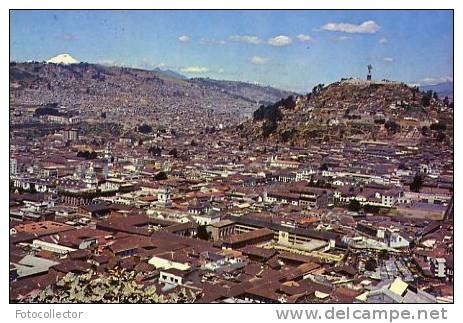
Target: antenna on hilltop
369,72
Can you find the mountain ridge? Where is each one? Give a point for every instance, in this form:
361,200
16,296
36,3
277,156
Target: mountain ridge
444,89
85,85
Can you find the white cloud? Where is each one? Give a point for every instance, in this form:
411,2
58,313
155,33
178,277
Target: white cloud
206,41
259,60
304,38
435,80
145,63
245,39
279,41
342,38
194,69
388,59
184,38
109,62
383,41
367,27
68,37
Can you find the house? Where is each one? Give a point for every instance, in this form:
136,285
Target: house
170,260
248,238
393,239
221,229
173,276
31,266
397,291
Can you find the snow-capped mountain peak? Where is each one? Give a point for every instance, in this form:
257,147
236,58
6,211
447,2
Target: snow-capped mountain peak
65,59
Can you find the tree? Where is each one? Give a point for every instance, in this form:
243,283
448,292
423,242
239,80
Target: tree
439,126
446,101
203,234
392,126
114,286
426,99
145,129
173,152
402,166
371,264
48,109
318,88
383,254
371,209
87,154
155,151
269,127
424,130
161,176
354,206
288,135
417,183
435,96
441,137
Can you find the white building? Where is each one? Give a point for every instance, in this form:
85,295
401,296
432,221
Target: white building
394,240
13,166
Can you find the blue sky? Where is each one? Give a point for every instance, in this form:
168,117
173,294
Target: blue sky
287,49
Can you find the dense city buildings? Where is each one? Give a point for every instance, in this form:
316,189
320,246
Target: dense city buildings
360,212
144,185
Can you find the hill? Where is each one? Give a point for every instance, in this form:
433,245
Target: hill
156,96
443,90
170,73
243,90
352,110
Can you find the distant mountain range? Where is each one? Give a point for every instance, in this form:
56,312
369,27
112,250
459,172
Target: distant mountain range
65,59
71,84
170,73
442,89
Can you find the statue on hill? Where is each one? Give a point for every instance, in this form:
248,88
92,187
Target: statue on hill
369,72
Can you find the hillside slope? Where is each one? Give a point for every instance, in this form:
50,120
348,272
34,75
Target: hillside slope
352,110
92,88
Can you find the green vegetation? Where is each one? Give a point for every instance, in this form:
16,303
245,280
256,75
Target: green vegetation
118,286
417,183
49,109
354,206
87,154
203,234
426,99
392,126
161,176
268,128
371,264
173,152
317,88
155,151
439,126
145,129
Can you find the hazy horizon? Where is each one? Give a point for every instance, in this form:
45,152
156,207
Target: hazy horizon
265,47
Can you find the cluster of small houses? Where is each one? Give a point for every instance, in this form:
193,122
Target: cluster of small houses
265,227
